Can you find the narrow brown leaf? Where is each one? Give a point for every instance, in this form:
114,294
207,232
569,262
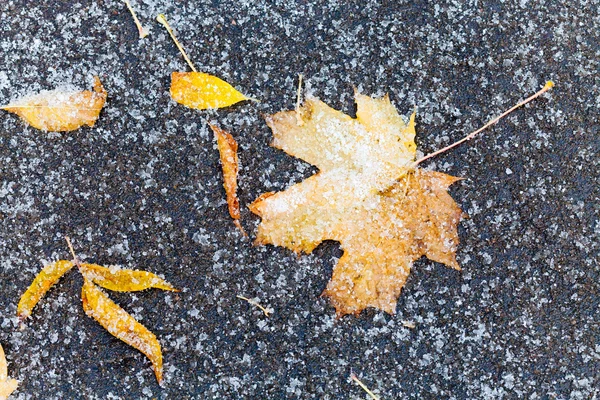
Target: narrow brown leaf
124,280
44,280
59,111
120,324
7,386
229,160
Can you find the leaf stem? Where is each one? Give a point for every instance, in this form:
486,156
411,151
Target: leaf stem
75,259
163,21
143,32
471,135
364,387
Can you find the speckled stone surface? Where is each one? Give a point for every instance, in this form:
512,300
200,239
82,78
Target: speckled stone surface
142,189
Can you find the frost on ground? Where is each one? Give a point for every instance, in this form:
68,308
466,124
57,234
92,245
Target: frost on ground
143,189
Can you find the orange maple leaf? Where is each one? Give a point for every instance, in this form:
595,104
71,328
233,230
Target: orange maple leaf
367,195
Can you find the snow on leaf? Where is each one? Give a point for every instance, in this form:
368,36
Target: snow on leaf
59,111
7,386
44,280
202,91
229,160
367,195
121,325
124,280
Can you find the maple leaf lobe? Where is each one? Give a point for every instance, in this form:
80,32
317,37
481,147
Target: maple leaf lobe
366,195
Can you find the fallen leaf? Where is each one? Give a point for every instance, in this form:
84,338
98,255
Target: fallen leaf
120,324
124,280
44,280
367,195
202,91
7,386
229,161
58,111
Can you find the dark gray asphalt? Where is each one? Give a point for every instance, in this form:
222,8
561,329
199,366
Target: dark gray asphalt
142,189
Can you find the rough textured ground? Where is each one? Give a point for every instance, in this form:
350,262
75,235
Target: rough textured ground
143,190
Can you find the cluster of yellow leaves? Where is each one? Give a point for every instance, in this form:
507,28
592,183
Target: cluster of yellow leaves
7,386
367,195
99,306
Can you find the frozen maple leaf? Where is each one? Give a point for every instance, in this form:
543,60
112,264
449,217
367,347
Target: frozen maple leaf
367,195
59,111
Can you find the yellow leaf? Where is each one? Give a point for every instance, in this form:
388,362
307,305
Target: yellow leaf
7,386
124,280
229,161
367,195
44,280
201,91
59,111
120,324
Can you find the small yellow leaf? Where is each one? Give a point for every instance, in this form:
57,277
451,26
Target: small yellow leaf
59,111
200,90
124,280
229,161
46,278
120,324
7,386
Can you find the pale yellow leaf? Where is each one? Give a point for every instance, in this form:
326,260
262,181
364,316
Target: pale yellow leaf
59,111
7,386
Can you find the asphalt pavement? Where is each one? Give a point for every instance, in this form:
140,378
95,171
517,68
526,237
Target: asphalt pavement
143,189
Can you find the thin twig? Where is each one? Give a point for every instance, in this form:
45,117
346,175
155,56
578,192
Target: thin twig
254,303
471,135
142,31
163,21
364,387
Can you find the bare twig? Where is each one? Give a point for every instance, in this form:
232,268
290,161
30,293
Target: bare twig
142,31
255,303
163,21
364,387
471,135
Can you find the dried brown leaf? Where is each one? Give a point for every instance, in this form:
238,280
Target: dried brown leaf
44,280
124,280
367,195
121,325
229,161
58,111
